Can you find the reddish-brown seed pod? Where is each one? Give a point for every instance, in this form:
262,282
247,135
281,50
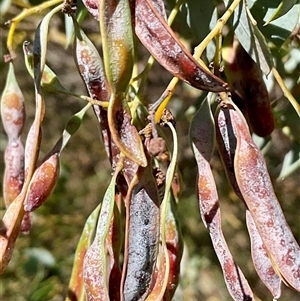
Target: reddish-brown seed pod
157,36
261,260
256,188
42,183
174,245
202,138
12,106
14,170
226,142
249,89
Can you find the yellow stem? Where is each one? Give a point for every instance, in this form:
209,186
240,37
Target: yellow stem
286,91
221,22
25,13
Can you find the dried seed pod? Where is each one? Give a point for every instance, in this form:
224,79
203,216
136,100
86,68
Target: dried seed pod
245,79
202,134
174,244
261,260
226,142
14,171
95,261
90,66
26,223
76,286
12,106
114,245
142,237
123,132
155,34
256,188
42,183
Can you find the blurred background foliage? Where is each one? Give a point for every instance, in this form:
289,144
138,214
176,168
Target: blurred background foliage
42,261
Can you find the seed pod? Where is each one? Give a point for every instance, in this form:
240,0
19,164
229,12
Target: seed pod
117,43
226,142
95,261
26,223
76,286
42,183
114,246
174,244
90,66
261,260
256,188
14,171
142,238
12,106
155,34
245,79
202,138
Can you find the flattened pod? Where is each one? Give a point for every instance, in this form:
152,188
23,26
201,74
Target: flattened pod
256,188
226,142
245,79
261,260
202,139
143,238
156,35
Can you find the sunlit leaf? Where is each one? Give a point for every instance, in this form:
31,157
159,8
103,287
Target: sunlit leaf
281,10
251,38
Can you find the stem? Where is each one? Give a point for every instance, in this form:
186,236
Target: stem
221,22
25,13
286,91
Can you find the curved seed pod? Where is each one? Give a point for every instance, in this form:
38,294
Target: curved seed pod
202,138
261,260
12,106
245,79
76,287
256,188
13,119
114,246
95,265
90,66
226,142
142,237
42,183
159,287
174,244
155,34
123,132
117,42
14,171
